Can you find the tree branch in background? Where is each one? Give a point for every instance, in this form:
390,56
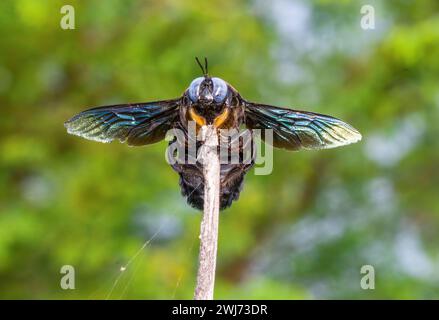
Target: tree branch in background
209,224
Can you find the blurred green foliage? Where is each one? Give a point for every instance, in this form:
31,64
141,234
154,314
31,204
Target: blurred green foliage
302,232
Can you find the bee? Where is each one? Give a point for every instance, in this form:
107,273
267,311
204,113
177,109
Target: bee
211,101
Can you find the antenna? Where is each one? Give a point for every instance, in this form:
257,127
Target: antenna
205,66
203,69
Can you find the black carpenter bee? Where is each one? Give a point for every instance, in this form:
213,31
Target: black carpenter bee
211,101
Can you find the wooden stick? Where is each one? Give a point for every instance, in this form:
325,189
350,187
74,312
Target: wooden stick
209,224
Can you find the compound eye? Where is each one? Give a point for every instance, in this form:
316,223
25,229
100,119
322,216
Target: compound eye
194,89
219,90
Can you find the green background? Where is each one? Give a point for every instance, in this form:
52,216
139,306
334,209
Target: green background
303,231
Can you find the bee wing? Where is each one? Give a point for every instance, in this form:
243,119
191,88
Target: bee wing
295,130
137,124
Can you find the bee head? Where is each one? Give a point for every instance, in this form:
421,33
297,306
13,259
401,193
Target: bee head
206,91
208,97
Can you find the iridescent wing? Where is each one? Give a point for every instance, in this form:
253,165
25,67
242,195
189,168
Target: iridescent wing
295,130
137,124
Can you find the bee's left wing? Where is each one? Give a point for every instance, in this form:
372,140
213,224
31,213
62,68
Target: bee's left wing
137,124
294,130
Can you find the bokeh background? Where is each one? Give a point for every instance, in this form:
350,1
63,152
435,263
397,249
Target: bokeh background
302,232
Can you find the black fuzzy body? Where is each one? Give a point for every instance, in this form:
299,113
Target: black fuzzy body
231,183
231,177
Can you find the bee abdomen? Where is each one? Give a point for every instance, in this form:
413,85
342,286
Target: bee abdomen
231,184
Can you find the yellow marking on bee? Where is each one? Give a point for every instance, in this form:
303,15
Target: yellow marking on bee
221,118
197,118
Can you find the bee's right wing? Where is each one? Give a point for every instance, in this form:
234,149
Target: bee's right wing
137,124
